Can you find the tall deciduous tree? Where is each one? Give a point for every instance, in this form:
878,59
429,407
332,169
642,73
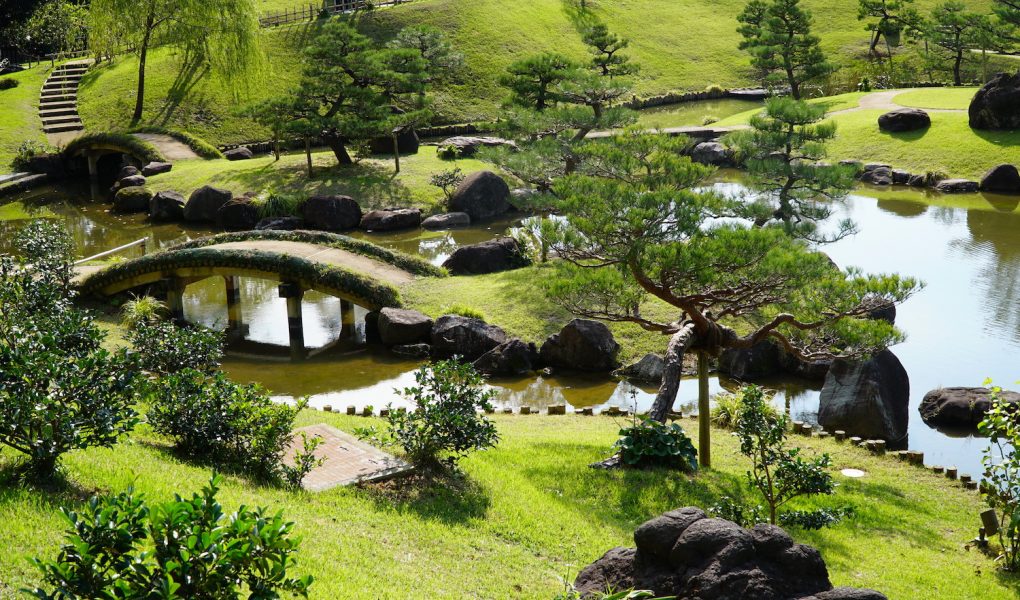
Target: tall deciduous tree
955,30
784,154
641,229
224,34
777,34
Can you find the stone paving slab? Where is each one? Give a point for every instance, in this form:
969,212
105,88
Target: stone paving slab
348,459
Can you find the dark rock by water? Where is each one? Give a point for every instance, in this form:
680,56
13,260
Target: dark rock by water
469,145
237,215
280,224
132,199
127,171
493,256
961,407
331,213
391,219
956,186
407,143
482,195
412,350
997,104
583,345
685,554
1003,179
205,202
760,361
166,207
712,153
398,327
446,221
880,175
465,336
868,398
904,119
131,181
649,369
509,359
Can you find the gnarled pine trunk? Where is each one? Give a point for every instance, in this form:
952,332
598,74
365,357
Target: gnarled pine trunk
673,370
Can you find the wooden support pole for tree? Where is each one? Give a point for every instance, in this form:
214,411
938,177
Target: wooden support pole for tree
704,414
396,150
308,155
293,293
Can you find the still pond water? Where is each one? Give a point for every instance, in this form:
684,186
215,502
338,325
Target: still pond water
963,327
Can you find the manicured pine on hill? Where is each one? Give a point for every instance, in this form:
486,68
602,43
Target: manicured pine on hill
680,44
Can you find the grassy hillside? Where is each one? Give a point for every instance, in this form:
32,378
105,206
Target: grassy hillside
680,44
19,112
530,513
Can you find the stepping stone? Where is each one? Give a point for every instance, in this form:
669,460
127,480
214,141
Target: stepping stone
349,460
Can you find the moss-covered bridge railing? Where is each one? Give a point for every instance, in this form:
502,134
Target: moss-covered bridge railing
356,272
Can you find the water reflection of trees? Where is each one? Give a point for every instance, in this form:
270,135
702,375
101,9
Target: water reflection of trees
995,245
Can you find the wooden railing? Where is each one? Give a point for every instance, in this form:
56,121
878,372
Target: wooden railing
137,243
329,7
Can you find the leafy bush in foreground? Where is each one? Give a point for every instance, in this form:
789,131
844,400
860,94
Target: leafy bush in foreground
231,425
123,547
165,348
650,443
1001,489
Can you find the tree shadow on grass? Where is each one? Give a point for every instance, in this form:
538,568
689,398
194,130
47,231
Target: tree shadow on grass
906,136
56,492
1006,138
171,454
447,498
192,70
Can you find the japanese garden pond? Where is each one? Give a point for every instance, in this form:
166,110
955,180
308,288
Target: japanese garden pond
963,327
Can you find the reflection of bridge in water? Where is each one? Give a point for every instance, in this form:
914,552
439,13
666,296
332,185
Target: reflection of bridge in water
356,272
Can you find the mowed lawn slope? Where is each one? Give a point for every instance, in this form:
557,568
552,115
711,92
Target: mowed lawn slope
680,45
532,512
19,113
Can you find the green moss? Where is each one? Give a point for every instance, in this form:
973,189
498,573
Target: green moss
139,148
201,147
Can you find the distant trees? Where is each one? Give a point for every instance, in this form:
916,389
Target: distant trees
442,61
533,81
887,20
777,35
606,49
223,34
955,30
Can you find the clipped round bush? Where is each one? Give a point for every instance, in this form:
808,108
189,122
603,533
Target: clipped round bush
7,83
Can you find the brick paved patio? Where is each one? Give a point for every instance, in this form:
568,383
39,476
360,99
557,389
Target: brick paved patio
348,460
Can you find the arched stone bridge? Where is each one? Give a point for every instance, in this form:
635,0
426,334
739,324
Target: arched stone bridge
356,272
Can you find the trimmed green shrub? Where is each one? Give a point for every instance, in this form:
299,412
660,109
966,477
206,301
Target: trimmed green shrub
654,444
163,348
715,89
201,551
9,83
230,425
447,181
727,409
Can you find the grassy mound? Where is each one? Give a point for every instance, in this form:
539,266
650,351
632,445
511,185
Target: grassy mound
680,45
19,113
533,504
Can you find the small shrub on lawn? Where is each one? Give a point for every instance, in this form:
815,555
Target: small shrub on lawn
276,204
305,462
165,348
464,310
124,547
233,426
448,152
446,424
447,181
8,83
653,444
145,309
1001,489
727,408
715,89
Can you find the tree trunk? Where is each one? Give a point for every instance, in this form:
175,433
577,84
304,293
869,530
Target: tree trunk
957,80
339,148
794,85
704,414
672,372
873,50
143,52
308,155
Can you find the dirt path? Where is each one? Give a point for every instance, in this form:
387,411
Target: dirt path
884,100
171,149
377,269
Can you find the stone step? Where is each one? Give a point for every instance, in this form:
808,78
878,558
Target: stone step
59,87
46,112
72,76
58,105
60,120
65,127
57,97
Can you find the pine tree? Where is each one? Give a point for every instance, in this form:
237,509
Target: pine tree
605,47
777,34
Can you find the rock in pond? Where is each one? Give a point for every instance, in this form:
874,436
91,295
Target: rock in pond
412,350
493,256
127,171
582,345
131,181
205,202
237,215
280,224
509,359
685,554
399,327
956,186
760,361
712,153
996,105
1003,179
331,213
482,195
464,336
959,407
446,221
904,119
132,199
166,207
880,175
649,369
868,398
391,219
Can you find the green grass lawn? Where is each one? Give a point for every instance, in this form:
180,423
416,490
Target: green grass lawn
938,98
531,513
371,182
19,113
680,45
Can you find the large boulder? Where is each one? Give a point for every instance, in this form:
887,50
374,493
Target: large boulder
131,181
469,145
465,336
712,153
904,119
446,221
240,153
685,554
331,213
649,369
280,224
156,168
166,206
959,407
510,359
760,361
399,327
956,186
391,219
238,215
407,143
868,398
205,202
583,345
880,175
997,104
132,199
1003,179
493,256
482,195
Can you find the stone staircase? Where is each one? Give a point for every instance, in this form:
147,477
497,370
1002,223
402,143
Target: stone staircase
58,102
